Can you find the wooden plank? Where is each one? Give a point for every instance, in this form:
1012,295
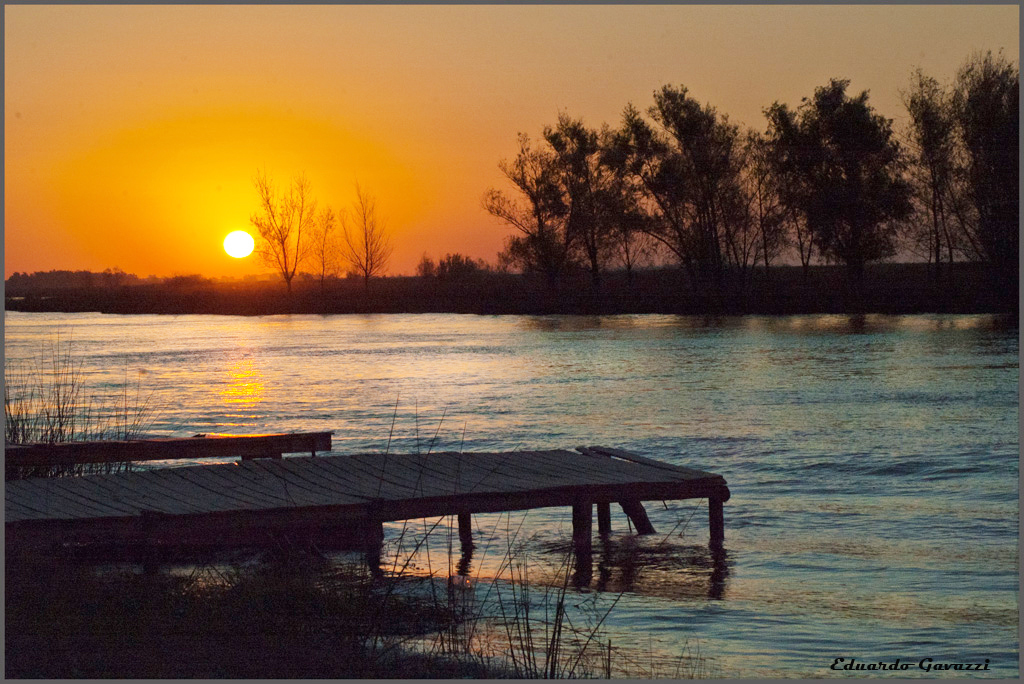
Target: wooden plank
497,471
52,498
347,479
439,472
393,484
422,479
309,475
86,490
55,505
167,492
264,484
421,474
607,472
636,470
474,470
18,505
547,469
367,489
293,491
235,480
661,465
385,474
212,446
212,493
574,468
17,511
143,488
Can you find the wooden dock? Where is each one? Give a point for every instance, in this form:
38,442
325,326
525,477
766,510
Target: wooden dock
247,501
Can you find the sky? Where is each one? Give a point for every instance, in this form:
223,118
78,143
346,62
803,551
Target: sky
132,133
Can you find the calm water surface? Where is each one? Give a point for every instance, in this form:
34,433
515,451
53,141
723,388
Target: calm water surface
873,461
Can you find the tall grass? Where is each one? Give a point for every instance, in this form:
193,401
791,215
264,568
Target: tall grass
527,623
46,401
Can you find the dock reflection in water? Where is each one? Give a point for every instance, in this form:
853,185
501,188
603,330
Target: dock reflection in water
626,563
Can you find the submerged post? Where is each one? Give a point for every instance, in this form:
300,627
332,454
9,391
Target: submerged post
635,510
582,528
373,542
466,531
716,517
604,519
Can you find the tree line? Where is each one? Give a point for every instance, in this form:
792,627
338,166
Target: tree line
293,232
829,181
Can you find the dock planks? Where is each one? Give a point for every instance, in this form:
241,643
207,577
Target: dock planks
222,502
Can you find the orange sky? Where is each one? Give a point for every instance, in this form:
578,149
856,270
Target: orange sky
132,133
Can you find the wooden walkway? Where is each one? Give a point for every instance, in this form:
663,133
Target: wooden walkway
200,446
244,501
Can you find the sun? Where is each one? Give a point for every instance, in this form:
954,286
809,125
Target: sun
239,244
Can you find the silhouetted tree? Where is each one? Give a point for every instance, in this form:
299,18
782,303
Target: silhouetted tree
783,148
933,139
847,174
545,241
741,227
588,189
324,246
367,246
767,206
458,267
283,222
114,277
630,243
426,268
689,168
986,108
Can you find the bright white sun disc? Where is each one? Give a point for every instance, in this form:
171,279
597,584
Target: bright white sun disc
239,244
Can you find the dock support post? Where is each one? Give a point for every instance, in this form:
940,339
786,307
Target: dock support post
635,510
716,517
716,522
582,528
466,531
151,552
373,542
604,519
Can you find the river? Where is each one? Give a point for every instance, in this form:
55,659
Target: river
873,460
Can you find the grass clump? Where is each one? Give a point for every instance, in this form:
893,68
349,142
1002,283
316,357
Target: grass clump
295,614
45,401
299,619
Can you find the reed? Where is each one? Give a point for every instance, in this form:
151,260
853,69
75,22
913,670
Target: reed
47,401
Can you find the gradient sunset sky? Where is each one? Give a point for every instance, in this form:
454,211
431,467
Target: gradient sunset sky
132,133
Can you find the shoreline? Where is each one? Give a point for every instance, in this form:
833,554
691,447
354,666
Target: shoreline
896,289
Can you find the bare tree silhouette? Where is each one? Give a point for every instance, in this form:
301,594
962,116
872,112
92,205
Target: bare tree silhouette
324,246
283,222
366,246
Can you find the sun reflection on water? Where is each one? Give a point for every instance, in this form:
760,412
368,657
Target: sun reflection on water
246,384
243,392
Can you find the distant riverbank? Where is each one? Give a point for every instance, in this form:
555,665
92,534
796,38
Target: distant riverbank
884,288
